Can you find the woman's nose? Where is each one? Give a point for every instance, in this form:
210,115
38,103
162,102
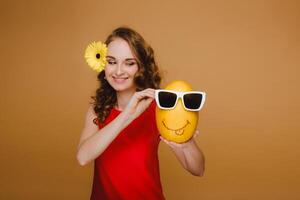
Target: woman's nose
119,69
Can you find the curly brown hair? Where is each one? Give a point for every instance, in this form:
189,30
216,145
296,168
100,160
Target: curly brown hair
148,75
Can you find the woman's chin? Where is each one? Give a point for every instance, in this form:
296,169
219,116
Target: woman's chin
122,88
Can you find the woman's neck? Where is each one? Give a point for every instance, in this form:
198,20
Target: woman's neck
123,99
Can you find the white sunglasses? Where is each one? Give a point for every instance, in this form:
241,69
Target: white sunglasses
167,99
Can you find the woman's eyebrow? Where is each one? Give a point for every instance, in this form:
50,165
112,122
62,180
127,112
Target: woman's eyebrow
111,57
130,59
127,59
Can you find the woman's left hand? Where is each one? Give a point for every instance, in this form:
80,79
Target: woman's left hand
189,154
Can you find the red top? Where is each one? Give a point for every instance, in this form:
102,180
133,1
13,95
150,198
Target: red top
129,167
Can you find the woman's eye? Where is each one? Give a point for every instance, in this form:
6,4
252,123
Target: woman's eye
111,62
131,63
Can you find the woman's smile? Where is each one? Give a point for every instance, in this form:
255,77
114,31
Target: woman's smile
119,80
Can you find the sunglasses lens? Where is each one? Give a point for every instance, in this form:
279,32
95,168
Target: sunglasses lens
192,101
167,99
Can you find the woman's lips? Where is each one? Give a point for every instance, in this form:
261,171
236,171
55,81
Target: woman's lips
119,80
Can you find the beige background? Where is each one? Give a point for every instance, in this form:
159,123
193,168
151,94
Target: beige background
244,54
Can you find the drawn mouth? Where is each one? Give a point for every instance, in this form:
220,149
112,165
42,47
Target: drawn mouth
179,131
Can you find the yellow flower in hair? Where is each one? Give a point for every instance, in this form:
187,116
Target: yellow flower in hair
95,55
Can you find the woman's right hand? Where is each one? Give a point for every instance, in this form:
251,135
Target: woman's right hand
94,141
139,102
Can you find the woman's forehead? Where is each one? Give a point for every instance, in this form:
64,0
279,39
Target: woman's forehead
119,49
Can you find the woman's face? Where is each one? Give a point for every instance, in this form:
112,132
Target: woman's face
121,66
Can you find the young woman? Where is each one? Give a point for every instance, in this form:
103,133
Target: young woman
120,132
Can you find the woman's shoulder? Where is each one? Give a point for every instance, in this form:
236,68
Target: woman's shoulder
91,109
152,106
151,109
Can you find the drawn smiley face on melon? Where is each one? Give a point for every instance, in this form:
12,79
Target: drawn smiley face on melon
177,111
